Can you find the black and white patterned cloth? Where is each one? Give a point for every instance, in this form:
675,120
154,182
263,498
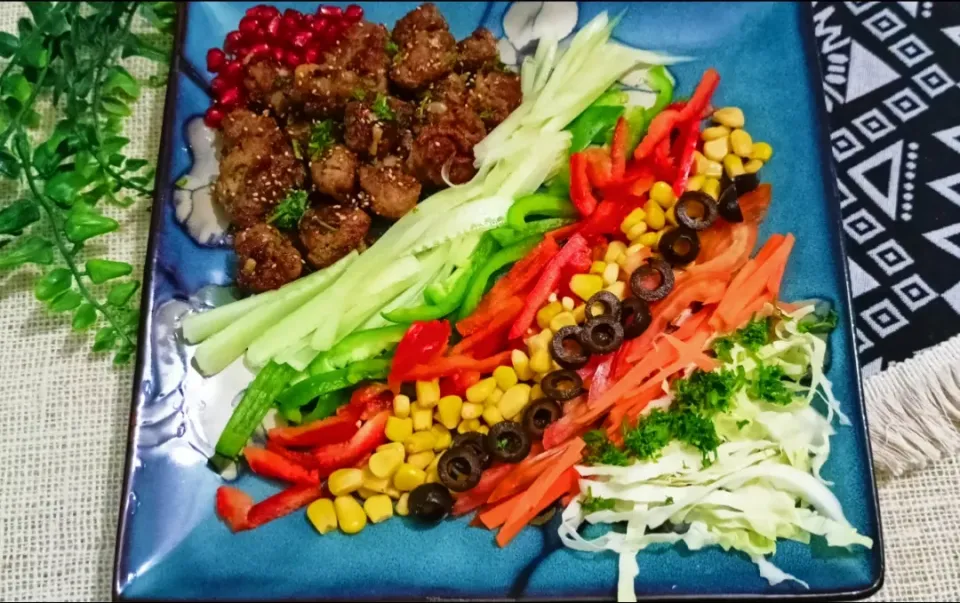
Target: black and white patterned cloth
891,73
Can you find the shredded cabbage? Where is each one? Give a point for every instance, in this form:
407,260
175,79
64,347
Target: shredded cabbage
764,483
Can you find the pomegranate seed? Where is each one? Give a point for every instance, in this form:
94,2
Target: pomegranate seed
232,71
278,54
268,12
311,56
215,60
331,11
218,85
213,117
292,59
248,25
230,98
293,14
320,25
308,20
354,13
273,27
261,49
233,41
302,39
290,24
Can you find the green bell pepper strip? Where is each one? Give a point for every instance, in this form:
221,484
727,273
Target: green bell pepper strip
254,405
538,204
357,346
507,236
478,286
594,122
299,395
326,406
658,80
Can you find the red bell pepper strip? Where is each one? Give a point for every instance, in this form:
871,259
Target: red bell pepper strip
281,504
599,167
663,165
457,383
371,399
452,364
338,428
233,505
344,454
701,96
580,193
576,252
659,130
689,141
492,337
275,466
601,378
618,150
610,215
422,342
476,497
304,459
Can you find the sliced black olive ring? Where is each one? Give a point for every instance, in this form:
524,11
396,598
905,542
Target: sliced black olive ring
635,317
679,246
508,442
562,385
655,270
746,183
602,335
603,303
696,210
539,414
729,206
429,503
544,516
473,441
460,468
567,349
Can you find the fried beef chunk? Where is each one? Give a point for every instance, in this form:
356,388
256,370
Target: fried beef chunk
477,51
495,95
391,191
269,85
266,259
448,137
329,232
334,173
374,127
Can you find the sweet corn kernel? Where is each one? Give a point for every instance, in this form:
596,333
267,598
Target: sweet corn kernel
614,250
552,298
741,143
634,249
408,477
422,418
695,182
384,463
567,303
433,464
733,165
546,313
494,397
619,289
609,276
537,378
633,218
505,376
322,515
471,410
401,406
420,460
540,340
479,391
716,149
565,319
483,429
419,441
449,408
761,151
350,514
366,493
521,365
373,483
443,436
662,193
753,166
579,315
398,446
378,508
492,415
468,425
711,186
403,505
732,117
345,481
649,239
636,231
513,401
536,392
393,493
428,393
585,285
655,217
433,476
672,215
398,429
540,361
714,132
598,267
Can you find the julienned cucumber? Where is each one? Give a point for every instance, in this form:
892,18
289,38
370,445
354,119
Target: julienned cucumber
254,405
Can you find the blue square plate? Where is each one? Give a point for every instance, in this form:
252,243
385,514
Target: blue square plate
172,546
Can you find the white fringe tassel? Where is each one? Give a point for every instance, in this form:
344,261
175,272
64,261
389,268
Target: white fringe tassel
914,410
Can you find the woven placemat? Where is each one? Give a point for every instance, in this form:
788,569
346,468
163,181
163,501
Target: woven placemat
64,423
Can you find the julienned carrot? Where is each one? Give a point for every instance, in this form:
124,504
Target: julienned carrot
743,291
649,363
475,497
776,277
690,326
523,474
754,205
752,309
731,254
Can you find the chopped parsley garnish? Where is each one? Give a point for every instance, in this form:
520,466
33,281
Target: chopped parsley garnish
753,336
486,114
359,94
592,504
391,47
818,324
708,393
287,214
297,151
651,434
769,385
321,137
601,451
382,110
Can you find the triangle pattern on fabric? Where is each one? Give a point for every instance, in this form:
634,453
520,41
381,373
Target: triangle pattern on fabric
953,33
910,7
867,72
860,280
945,186
846,197
885,199
941,238
950,137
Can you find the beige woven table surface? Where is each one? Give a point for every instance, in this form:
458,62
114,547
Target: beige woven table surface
63,434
